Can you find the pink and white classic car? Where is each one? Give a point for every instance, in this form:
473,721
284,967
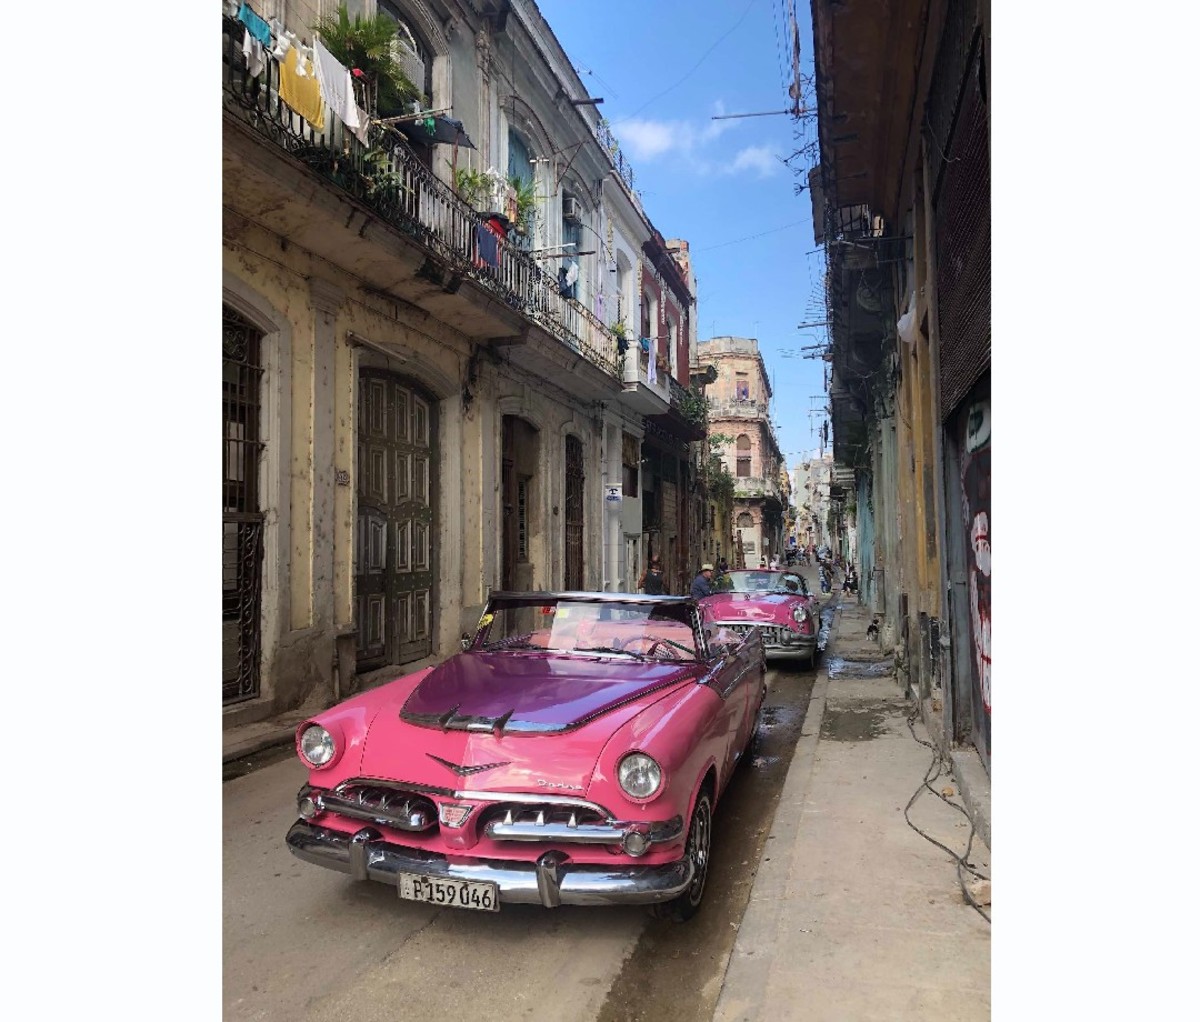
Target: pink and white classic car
778,603
573,753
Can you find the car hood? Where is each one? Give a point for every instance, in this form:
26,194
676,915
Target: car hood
532,693
521,722
762,608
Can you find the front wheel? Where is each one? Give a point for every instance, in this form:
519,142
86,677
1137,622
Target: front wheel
699,844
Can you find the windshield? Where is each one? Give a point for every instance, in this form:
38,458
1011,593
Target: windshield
761,582
612,628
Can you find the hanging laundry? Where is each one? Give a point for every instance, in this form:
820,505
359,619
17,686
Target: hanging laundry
255,25
652,369
256,56
489,246
283,40
337,87
302,94
572,273
232,7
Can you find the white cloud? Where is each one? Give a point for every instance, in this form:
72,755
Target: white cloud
691,143
645,140
758,158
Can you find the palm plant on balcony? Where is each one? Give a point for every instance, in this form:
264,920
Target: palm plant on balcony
522,201
367,47
473,186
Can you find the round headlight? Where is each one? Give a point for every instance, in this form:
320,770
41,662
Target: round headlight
316,745
799,613
638,775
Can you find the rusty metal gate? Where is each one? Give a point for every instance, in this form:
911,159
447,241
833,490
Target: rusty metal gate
242,519
393,548
573,512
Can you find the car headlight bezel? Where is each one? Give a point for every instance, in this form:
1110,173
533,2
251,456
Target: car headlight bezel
637,765
317,746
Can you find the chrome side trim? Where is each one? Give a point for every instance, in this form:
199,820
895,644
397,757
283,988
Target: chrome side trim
549,882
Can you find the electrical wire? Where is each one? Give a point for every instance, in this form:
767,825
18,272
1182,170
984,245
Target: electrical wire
962,862
751,237
695,66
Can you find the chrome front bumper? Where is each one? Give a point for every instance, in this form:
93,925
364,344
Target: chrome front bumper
805,646
550,881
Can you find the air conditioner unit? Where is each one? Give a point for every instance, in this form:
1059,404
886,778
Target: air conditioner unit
571,209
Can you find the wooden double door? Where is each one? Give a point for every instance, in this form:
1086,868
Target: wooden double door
395,559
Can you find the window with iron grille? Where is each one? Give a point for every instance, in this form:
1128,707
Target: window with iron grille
523,519
242,518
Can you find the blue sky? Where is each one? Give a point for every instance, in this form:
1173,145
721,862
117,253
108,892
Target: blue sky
664,69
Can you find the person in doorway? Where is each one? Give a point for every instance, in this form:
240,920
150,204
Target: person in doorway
652,582
702,583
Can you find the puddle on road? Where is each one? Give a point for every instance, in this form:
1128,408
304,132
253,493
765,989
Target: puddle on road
839,667
839,725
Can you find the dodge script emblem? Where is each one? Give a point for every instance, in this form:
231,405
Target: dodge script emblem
466,771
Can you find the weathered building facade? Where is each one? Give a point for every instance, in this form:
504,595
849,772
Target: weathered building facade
425,398
902,203
739,409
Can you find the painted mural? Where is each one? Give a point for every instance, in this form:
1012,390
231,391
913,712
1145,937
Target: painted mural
976,476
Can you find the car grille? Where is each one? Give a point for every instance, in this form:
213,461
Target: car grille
576,824
389,807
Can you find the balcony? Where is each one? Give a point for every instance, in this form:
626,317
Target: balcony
737,408
640,393
378,212
755,487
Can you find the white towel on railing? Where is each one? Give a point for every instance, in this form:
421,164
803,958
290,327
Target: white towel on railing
252,50
337,89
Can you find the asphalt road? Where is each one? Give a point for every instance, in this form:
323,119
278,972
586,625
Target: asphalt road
302,942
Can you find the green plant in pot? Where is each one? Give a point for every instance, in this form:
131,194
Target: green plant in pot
525,197
366,47
473,186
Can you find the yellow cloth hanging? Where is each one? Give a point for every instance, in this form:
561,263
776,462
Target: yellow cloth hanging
302,94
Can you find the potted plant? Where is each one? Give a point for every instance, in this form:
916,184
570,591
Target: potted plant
473,186
522,204
367,47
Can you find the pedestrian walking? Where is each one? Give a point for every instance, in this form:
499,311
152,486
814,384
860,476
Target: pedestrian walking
702,583
652,582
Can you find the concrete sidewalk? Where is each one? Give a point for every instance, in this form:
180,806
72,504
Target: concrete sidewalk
855,916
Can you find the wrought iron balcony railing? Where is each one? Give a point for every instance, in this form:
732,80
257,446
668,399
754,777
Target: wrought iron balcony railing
738,409
756,486
388,177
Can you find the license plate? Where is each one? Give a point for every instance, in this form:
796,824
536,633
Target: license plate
477,894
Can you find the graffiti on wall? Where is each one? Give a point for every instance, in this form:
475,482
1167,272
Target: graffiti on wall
976,474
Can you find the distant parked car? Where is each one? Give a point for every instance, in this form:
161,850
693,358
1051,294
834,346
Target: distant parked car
777,603
573,753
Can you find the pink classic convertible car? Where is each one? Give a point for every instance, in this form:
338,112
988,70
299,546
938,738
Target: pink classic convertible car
778,603
571,754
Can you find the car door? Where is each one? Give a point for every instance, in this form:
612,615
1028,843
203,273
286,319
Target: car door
735,681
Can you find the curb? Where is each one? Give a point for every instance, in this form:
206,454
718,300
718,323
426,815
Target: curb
743,983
